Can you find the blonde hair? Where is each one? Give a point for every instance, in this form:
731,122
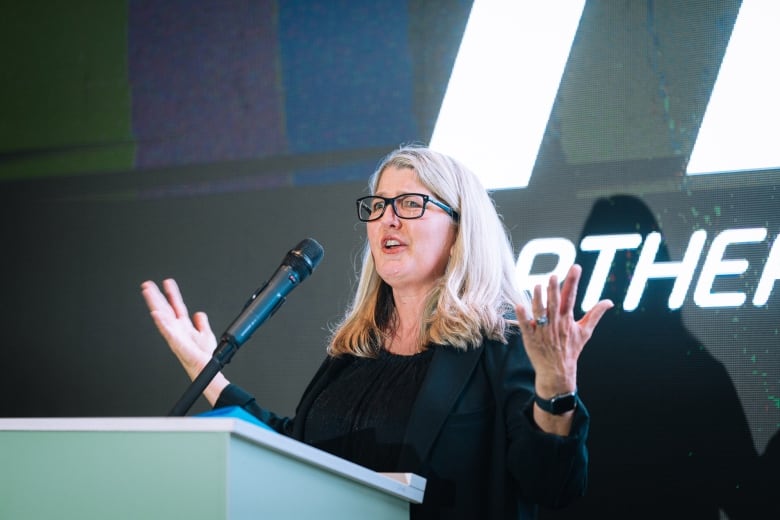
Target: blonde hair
477,293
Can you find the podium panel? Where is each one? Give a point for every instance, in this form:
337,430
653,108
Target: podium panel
194,468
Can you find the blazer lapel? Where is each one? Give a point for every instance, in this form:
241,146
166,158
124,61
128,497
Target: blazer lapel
447,375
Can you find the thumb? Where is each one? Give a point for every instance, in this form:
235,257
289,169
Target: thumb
201,322
594,315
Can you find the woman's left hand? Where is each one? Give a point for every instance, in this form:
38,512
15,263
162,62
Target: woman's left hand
553,339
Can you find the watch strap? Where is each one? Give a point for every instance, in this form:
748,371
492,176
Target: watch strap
558,404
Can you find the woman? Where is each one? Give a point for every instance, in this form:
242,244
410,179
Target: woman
441,366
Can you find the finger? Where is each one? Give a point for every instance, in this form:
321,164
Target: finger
540,308
569,290
173,293
537,306
154,299
553,298
163,321
524,310
524,318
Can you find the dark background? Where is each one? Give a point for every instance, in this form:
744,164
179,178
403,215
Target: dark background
203,140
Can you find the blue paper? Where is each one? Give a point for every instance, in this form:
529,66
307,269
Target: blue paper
236,412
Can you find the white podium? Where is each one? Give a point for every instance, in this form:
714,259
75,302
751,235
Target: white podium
184,468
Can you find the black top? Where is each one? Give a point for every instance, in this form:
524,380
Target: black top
362,416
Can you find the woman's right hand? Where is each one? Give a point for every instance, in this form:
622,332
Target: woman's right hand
192,341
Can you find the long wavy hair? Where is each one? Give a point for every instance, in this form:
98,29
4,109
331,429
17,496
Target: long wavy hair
475,297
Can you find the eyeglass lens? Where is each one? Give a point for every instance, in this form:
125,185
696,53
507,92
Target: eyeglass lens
405,206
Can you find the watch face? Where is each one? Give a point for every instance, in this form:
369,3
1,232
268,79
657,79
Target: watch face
563,404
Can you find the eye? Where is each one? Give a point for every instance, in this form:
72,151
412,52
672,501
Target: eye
377,205
411,202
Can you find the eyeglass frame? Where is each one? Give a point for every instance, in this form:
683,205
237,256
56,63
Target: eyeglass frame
390,201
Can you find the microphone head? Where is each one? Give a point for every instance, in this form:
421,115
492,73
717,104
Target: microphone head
305,257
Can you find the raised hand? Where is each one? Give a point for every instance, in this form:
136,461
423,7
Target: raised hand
191,340
553,339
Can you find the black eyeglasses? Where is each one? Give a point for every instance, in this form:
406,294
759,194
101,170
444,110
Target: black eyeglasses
406,205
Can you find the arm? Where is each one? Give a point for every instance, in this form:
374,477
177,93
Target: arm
233,395
548,469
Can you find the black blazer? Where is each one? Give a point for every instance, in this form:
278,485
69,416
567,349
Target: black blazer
470,434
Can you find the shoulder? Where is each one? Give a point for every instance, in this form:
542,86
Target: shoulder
513,344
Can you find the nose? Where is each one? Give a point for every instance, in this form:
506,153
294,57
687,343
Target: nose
390,217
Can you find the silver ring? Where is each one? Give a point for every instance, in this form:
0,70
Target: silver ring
541,321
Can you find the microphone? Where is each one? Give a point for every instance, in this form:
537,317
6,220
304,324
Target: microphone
297,265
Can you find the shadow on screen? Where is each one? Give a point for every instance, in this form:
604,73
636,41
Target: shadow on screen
669,438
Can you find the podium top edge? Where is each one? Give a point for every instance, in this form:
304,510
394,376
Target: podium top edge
411,489
126,424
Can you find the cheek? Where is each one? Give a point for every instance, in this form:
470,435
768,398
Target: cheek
372,233
440,246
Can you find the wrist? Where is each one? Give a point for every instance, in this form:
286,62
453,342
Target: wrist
548,391
215,388
549,385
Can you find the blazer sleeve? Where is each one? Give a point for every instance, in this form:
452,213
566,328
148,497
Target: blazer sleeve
234,395
549,469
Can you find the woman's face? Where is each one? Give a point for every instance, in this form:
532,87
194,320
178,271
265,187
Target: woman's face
410,254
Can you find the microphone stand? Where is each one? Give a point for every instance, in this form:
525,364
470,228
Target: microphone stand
221,357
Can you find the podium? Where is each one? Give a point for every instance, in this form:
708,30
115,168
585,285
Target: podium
184,468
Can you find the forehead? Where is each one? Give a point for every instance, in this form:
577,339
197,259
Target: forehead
393,181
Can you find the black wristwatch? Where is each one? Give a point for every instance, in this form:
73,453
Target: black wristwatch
559,404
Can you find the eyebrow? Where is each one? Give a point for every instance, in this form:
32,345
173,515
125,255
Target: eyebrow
383,194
